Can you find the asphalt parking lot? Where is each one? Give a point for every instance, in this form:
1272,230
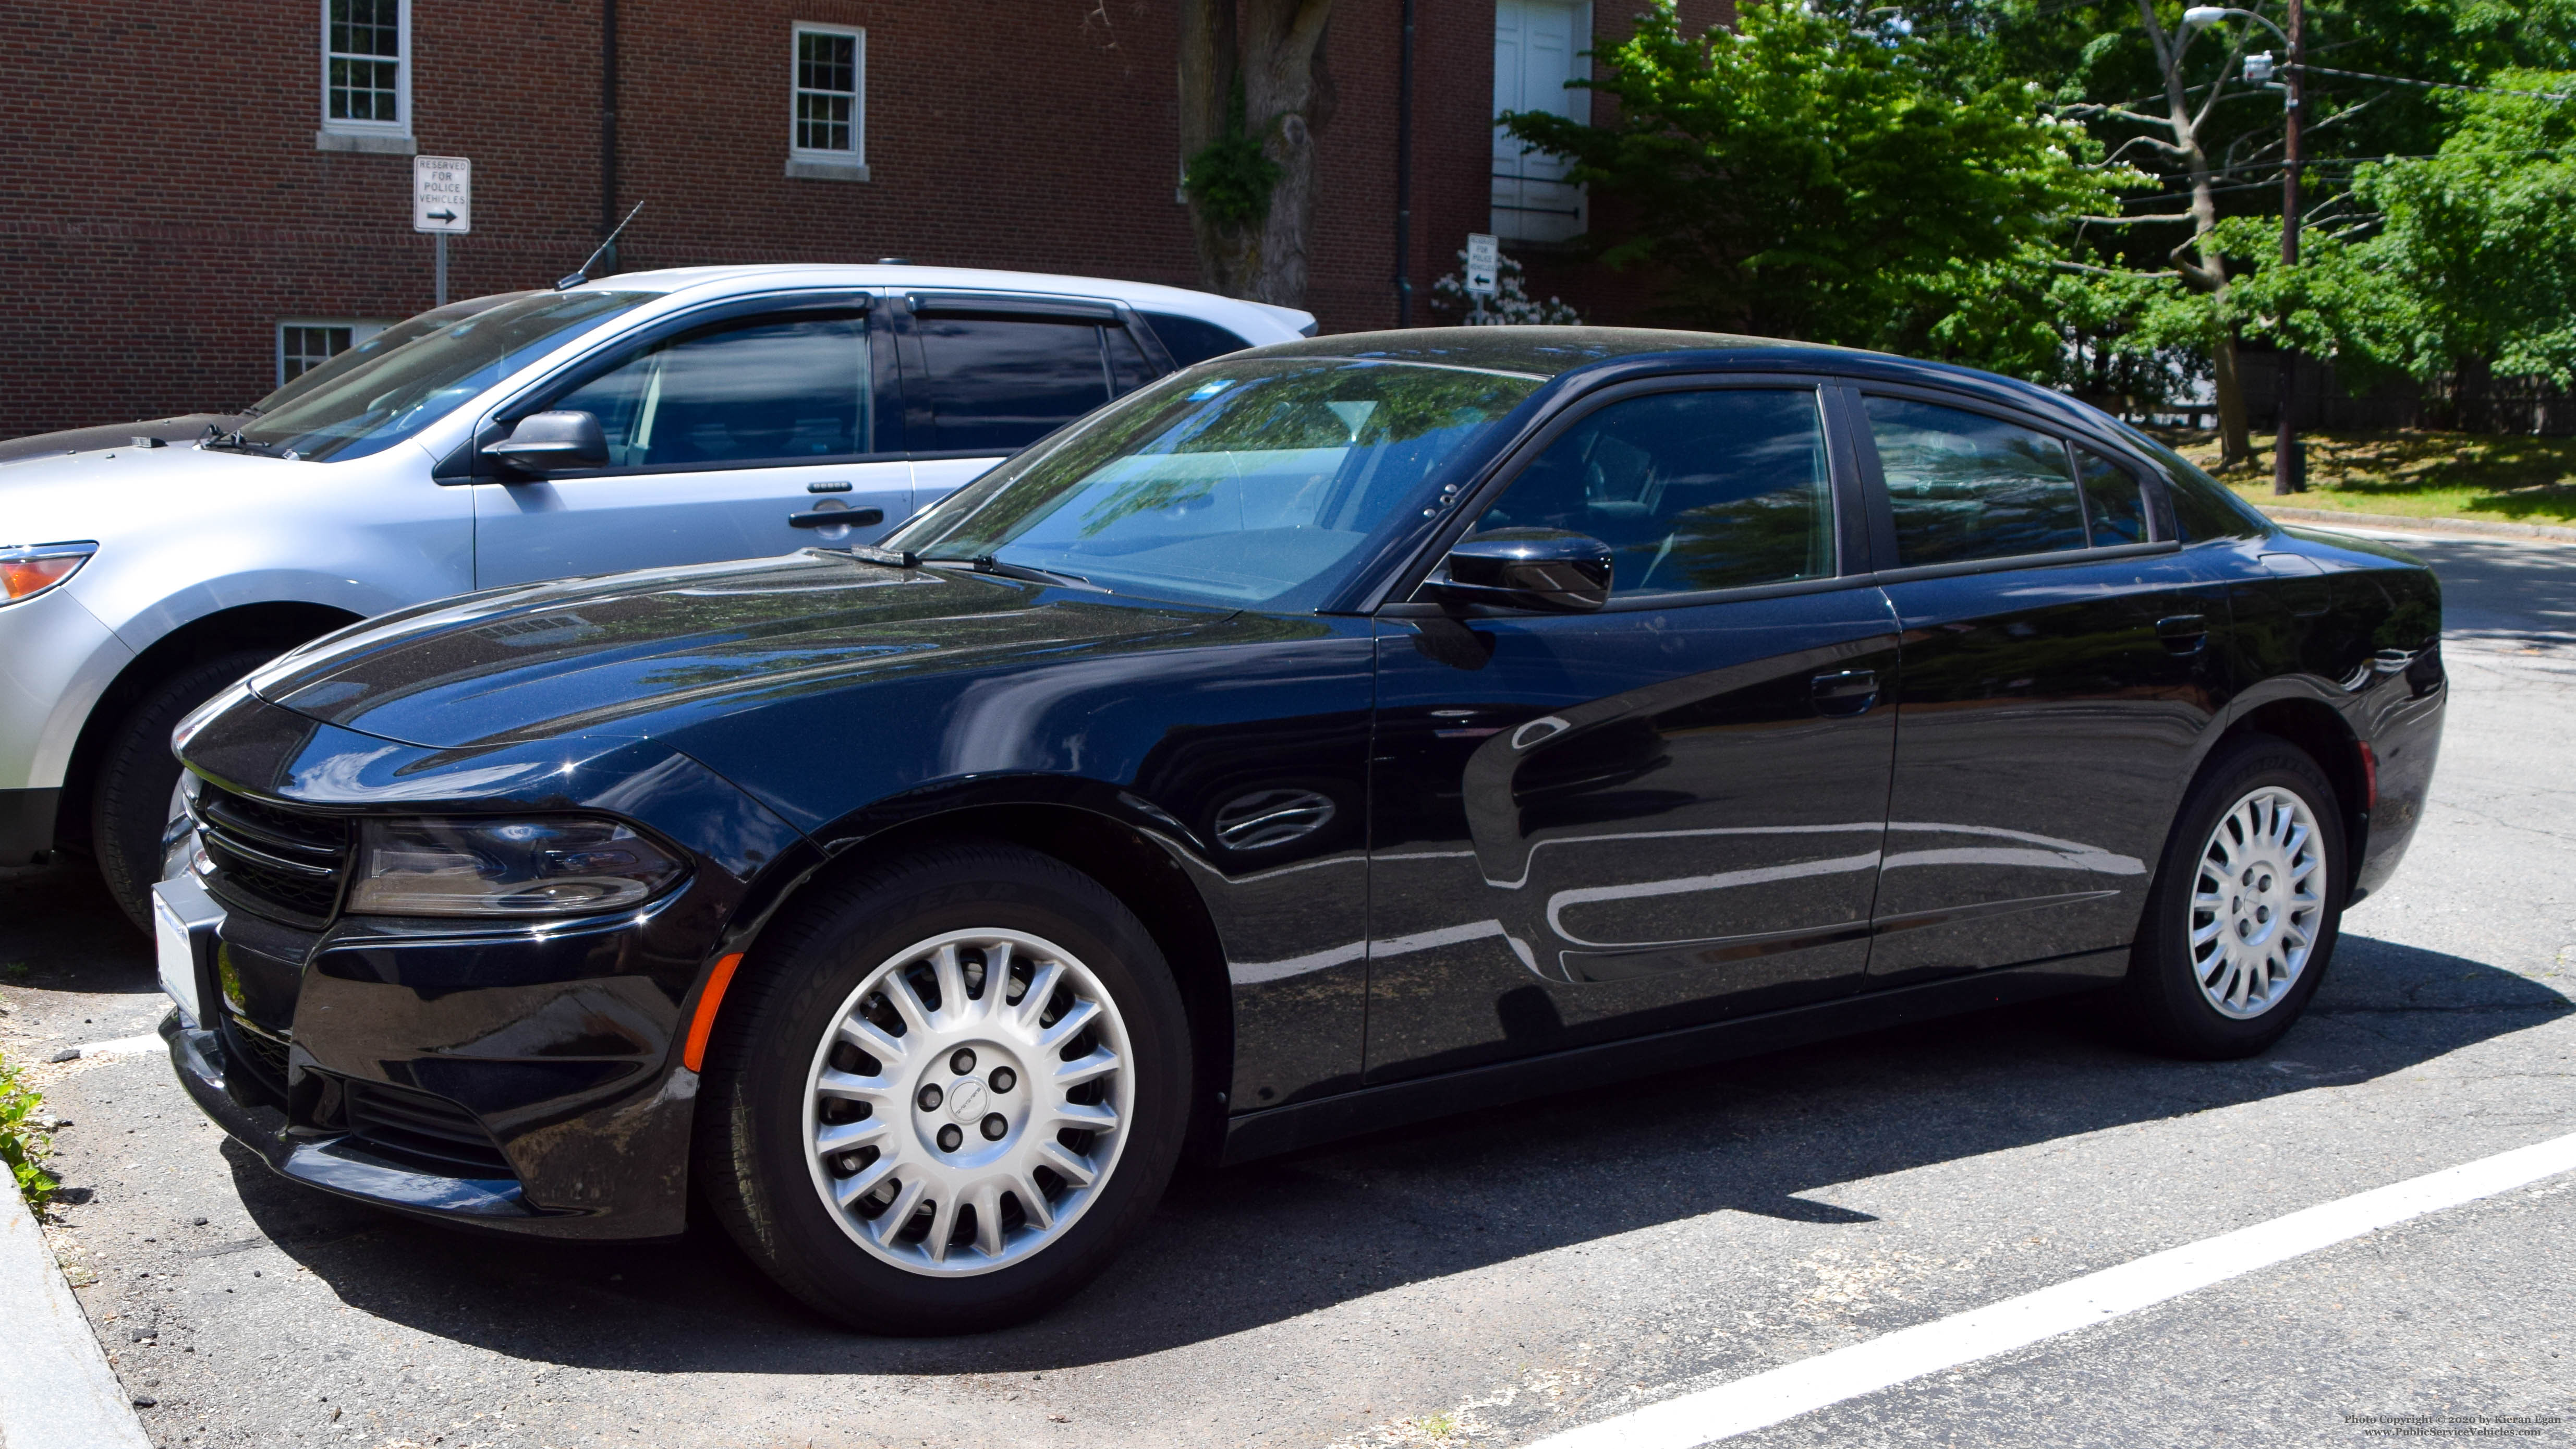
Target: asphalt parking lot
1502,1277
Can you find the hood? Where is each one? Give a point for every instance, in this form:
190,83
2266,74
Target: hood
646,654
122,489
186,428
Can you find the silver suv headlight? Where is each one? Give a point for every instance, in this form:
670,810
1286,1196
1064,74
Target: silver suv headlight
547,866
29,570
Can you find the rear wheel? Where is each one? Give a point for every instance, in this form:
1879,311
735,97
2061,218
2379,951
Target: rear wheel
948,1093
134,806
2246,907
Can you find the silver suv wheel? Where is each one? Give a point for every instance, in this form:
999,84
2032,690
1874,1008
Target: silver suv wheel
970,1103
2258,902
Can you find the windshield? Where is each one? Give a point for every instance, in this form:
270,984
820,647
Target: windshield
348,358
1246,484
397,393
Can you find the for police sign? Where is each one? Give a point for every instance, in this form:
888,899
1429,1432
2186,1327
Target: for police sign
442,194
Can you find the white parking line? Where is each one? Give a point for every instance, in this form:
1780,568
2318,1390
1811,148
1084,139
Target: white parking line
1726,1410
125,1046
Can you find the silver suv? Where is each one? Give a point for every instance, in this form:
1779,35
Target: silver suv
638,421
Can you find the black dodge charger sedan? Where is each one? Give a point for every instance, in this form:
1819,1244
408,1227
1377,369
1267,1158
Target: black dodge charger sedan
1324,737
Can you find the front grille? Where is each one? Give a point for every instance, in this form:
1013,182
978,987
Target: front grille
422,1130
271,860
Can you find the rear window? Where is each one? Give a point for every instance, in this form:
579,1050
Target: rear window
1190,340
2202,506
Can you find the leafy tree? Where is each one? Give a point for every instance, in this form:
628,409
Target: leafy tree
1798,177
2455,264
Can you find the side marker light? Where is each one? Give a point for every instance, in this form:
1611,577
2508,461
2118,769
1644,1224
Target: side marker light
694,1055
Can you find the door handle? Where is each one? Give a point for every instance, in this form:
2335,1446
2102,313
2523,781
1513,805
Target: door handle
1848,691
2183,633
835,517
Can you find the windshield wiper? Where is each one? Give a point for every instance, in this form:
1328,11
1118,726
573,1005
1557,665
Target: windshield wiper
985,563
232,442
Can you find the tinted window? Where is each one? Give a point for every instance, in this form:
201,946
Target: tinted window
1258,484
2202,506
2114,505
1190,340
762,390
1691,490
1967,486
1128,369
998,384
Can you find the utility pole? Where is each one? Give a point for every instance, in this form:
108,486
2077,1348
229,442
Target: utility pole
1404,172
2289,458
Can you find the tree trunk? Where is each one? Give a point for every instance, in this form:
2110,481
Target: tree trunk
2204,267
1275,48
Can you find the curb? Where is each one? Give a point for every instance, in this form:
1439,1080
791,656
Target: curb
2475,526
56,1390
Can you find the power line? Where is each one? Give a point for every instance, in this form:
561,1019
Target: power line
2399,80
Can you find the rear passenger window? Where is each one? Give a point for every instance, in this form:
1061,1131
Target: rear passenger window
998,384
1190,340
1966,486
2115,507
1691,490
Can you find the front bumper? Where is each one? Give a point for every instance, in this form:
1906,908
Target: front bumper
517,1076
333,1164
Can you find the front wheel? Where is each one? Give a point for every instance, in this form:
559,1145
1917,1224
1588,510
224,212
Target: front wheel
2245,908
136,816
947,1092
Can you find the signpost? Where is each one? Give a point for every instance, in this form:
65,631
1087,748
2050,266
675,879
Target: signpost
442,204
1484,265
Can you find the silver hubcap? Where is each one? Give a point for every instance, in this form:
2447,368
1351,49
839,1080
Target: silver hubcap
2257,903
969,1103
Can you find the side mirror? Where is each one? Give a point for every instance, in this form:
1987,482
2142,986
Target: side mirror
545,441
1527,568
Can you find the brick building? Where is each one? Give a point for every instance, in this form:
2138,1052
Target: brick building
195,198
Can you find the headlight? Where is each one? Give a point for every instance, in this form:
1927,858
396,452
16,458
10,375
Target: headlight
27,572
557,866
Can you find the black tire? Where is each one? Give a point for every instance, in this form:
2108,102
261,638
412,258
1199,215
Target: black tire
130,801
2161,999
750,1149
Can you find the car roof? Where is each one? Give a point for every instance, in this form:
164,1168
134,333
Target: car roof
703,282
1552,352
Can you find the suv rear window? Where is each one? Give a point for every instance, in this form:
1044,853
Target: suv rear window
1190,340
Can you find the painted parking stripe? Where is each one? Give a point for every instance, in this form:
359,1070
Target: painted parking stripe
125,1046
1708,1415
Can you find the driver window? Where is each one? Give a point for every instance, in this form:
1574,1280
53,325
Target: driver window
763,390
1722,489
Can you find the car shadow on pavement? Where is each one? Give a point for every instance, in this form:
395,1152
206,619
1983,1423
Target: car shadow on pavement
1236,1250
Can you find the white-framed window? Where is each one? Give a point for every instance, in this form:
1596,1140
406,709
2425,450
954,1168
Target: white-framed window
827,94
366,67
1538,47
305,343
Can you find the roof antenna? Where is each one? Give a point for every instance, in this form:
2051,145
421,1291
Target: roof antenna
583,275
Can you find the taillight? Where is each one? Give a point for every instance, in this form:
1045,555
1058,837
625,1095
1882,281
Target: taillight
2369,777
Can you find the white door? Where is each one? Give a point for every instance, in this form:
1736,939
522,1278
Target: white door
1537,49
719,440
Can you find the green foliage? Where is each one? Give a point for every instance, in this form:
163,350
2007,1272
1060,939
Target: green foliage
2466,258
1232,180
22,1147
1799,178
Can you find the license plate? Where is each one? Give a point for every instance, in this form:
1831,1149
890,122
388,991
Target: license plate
180,909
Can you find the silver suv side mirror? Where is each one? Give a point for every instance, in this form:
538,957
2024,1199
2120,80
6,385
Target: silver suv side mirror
543,442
